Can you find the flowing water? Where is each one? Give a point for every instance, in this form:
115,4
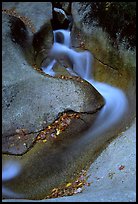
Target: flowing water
80,64
10,170
116,103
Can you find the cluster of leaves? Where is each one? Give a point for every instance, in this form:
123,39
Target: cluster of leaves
71,188
118,19
24,19
56,128
79,79
37,68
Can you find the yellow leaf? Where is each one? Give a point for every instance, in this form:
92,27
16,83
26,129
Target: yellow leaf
44,140
80,184
58,131
68,184
49,127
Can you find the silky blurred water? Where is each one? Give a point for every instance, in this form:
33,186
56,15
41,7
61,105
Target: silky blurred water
116,103
10,170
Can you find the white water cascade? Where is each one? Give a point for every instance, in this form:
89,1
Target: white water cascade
116,103
112,112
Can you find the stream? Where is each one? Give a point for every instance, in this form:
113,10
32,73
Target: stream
116,103
80,64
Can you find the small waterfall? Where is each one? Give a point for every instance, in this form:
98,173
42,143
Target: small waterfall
116,103
81,65
62,35
49,68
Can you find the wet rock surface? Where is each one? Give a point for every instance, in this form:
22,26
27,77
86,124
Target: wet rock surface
31,30
117,179
86,29
39,12
31,101
91,15
66,6
47,165
60,19
113,62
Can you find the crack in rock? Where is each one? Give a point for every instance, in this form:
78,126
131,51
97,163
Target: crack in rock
23,141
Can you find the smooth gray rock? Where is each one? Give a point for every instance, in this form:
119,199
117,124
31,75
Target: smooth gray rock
109,184
34,34
30,98
38,12
47,166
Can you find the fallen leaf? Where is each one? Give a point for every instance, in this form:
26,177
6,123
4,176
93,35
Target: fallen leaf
121,167
44,140
58,132
68,184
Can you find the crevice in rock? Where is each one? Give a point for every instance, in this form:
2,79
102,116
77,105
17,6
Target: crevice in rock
60,115
64,114
88,112
20,35
41,43
115,68
33,44
105,64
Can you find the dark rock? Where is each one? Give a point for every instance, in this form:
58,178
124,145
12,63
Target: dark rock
87,33
66,6
60,19
122,24
59,37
